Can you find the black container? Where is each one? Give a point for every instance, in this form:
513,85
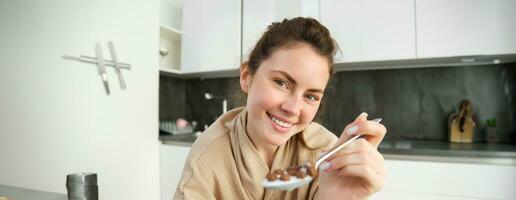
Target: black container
82,186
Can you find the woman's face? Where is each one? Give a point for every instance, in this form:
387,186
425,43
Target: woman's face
284,93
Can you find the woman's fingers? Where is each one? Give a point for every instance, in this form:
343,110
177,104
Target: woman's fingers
352,128
359,163
372,131
359,152
366,173
358,160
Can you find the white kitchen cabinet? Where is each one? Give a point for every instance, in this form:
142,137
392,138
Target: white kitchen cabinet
387,194
56,118
257,15
170,13
453,181
211,35
465,27
371,30
172,161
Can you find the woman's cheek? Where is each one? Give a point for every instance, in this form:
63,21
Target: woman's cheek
260,97
270,98
309,113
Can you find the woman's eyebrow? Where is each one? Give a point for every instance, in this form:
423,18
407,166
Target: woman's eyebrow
291,80
316,91
287,76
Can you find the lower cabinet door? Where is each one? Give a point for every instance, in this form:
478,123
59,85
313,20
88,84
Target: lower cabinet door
171,163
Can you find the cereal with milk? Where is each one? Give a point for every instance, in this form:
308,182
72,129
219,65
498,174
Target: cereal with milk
300,172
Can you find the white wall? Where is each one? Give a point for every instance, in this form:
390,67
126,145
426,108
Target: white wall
55,118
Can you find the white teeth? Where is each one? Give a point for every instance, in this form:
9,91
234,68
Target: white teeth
281,123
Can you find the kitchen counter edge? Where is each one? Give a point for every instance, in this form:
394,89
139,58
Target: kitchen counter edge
433,155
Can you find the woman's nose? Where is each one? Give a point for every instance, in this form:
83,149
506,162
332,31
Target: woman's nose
292,106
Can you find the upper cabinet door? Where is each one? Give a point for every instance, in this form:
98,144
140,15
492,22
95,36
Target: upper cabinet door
257,15
211,35
465,27
371,30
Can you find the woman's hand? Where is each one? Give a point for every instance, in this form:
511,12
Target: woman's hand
357,171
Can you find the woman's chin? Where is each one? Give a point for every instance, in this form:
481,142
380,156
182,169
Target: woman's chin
277,141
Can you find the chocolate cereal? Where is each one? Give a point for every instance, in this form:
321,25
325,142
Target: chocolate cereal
301,174
285,177
271,176
292,171
300,171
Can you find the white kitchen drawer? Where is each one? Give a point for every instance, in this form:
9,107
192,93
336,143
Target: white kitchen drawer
456,180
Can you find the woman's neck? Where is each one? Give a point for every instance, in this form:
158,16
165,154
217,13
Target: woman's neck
265,151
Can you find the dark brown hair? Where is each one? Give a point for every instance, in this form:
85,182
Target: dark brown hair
291,32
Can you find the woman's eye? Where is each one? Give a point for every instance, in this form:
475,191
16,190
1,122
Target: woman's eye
281,83
312,98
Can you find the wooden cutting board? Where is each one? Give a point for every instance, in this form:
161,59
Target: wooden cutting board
461,125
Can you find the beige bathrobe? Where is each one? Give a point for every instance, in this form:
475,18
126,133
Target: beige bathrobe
224,164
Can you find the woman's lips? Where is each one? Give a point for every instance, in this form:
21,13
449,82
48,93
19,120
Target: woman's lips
275,122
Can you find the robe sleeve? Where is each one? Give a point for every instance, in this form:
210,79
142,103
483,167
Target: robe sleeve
315,194
196,183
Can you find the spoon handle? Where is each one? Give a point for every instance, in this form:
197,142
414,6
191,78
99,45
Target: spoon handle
333,151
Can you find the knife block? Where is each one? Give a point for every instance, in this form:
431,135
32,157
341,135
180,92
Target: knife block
461,125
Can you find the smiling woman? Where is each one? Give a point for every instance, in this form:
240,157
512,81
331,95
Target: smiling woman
284,79
283,95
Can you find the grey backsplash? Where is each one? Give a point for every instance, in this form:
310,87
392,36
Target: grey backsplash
413,103
172,98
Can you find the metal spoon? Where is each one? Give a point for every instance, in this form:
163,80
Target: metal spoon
295,182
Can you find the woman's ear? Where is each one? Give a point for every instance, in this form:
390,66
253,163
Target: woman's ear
245,77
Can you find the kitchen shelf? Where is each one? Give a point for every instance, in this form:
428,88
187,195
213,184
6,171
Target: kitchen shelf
171,72
170,32
170,50
168,70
